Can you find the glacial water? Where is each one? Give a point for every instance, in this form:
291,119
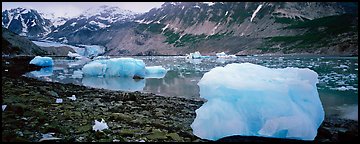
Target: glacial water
337,87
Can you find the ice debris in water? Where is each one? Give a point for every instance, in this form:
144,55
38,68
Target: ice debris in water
48,136
252,100
59,100
77,74
72,97
120,67
223,55
99,126
73,55
4,107
42,61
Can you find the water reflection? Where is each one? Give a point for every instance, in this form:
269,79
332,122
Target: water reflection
115,83
46,71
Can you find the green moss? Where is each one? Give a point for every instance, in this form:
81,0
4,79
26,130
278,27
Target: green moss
171,36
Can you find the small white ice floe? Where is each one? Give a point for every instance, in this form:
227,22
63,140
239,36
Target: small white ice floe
72,97
59,100
4,107
6,70
99,126
48,136
7,63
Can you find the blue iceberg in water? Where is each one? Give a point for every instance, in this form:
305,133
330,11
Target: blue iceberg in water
122,67
42,61
155,72
252,100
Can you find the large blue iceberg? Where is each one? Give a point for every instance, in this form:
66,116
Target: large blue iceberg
42,61
121,67
252,100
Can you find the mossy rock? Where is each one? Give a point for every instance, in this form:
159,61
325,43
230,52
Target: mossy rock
128,132
120,116
175,136
84,128
157,135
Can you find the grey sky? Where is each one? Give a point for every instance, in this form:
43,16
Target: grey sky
75,8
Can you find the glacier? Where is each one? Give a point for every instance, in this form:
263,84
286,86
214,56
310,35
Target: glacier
252,100
42,61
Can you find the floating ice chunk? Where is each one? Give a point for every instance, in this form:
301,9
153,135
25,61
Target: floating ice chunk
45,71
99,126
155,72
61,77
122,67
252,100
344,88
48,136
6,70
223,55
115,83
77,74
80,62
7,63
195,55
73,55
4,107
59,101
42,61
72,97
101,57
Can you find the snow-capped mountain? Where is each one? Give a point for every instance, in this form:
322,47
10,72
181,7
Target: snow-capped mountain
56,21
92,20
26,22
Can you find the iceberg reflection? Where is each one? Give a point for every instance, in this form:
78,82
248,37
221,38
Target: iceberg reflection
115,83
46,71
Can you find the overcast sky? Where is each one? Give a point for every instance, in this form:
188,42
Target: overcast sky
75,8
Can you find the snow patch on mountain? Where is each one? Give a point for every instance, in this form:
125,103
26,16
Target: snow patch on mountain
256,11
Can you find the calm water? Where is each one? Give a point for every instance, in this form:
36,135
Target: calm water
337,87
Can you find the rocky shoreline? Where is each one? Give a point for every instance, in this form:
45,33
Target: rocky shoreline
32,111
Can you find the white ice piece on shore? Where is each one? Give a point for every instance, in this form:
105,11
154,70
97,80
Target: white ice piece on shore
4,107
48,136
252,100
99,126
59,100
42,61
72,97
